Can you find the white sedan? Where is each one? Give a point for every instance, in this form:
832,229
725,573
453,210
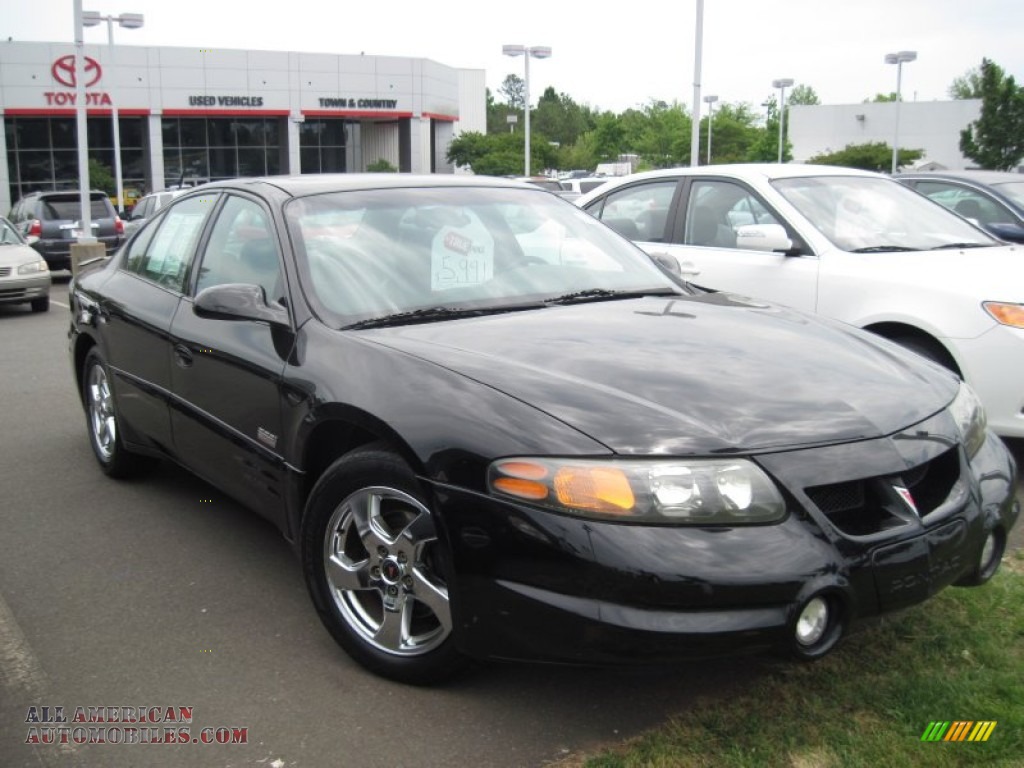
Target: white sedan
849,244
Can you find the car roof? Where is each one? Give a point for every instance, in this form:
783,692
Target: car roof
308,184
982,177
764,170
748,171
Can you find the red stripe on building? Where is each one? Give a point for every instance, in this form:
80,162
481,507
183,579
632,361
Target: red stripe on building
65,112
225,113
355,113
444,118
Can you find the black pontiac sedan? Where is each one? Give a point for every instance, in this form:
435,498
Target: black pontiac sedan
492,427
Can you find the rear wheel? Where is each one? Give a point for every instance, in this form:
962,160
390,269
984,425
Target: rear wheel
101,416
377,569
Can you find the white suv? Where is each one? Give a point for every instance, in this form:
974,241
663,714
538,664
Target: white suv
848,244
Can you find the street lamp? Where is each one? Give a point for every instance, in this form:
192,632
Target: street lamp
537,52
128,21
898,58
710,100
782,84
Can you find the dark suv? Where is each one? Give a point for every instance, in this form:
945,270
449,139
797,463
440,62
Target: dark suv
49,219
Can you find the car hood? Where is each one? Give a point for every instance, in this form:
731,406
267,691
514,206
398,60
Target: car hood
14,255
994,273
683,375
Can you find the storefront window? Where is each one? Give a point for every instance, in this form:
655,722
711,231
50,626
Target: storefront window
322,146
206,149
42,152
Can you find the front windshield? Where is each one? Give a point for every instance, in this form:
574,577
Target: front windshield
1013,190
859,213
379,253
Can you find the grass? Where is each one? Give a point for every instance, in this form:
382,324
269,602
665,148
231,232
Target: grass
960,656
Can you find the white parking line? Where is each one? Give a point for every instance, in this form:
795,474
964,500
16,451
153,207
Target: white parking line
19,669
60,304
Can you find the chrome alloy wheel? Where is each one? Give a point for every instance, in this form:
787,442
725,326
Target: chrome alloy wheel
101,412
379,562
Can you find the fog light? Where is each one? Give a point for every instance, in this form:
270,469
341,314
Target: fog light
813,621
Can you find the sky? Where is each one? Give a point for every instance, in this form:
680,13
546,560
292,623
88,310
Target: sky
609,56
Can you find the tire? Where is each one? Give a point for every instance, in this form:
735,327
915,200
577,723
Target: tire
41,304
101,419
377,569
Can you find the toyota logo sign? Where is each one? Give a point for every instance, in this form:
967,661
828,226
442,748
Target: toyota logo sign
63,70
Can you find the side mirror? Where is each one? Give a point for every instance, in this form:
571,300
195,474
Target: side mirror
673,266
763,237
238,301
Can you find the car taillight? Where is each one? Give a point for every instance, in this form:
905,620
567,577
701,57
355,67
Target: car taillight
35,229
118,225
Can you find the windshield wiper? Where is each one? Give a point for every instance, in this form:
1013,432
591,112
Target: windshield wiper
951,246
431,314
883,249
599,294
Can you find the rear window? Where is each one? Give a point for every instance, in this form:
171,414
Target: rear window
54,208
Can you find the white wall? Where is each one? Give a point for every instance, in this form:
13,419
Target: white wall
933,126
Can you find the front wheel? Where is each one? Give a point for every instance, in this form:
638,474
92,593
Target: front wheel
377,569
101,416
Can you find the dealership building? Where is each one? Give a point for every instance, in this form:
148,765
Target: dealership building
206,114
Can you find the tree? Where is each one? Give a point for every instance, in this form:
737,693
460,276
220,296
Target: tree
765,145
804,95
733,132
873,156
995,141
513,88
499,154
101,178
381,166
967,86
882,98
559,118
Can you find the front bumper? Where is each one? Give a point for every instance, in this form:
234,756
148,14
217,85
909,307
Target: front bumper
20,289
993,364
539,586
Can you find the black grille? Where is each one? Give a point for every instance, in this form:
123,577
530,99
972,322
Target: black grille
5,271
872,505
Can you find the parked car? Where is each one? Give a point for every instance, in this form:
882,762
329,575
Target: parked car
849,244
991,199
491,427
24,276
50,220
584,185
147,206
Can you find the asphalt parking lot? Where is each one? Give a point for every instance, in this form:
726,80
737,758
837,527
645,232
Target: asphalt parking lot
163,593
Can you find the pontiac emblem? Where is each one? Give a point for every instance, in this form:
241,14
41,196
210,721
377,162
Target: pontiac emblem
907,499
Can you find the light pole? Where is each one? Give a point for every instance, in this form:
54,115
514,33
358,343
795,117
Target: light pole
898,58
698,48
128,21
710,100
81,130
537,52
782,84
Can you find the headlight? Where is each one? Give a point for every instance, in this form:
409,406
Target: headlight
688,492
32,268
1006,314
970,418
